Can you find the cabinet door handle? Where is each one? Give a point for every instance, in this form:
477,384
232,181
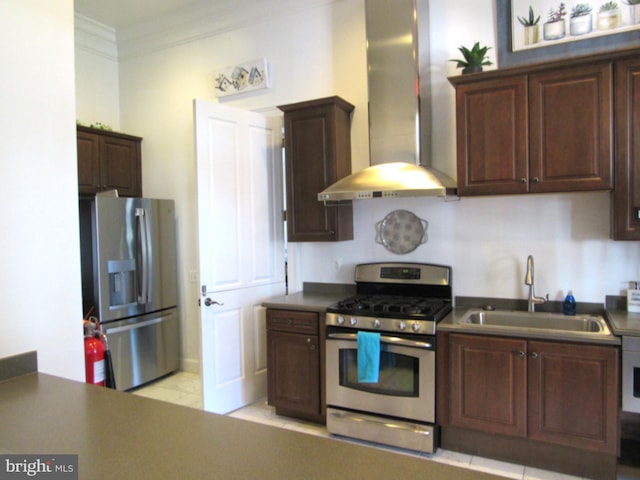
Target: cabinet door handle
534,355
523,180
535,180
521,353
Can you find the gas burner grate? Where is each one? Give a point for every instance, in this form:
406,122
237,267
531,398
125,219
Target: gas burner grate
389,304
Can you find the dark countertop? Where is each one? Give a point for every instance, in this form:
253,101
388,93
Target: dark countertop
622,323
315,297
122,436
314,302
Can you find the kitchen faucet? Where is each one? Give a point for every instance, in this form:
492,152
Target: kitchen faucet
528,280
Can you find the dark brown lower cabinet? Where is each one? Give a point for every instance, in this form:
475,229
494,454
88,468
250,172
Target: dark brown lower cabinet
573,395
295,367
488,385
549,404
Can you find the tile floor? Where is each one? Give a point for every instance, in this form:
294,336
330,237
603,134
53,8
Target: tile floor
184,389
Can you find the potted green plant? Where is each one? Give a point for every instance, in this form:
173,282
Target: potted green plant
474,58
581,20
554,28
634,8
531,30
609,16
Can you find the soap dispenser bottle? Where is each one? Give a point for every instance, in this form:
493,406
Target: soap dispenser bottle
569,305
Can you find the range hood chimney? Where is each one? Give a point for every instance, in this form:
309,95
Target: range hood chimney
399,108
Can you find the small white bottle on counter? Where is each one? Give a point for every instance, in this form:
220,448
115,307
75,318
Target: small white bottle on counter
633,297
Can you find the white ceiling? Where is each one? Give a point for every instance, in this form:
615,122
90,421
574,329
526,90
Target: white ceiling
119,13
142,26
124,13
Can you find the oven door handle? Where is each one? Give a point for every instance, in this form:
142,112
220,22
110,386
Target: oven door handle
384,339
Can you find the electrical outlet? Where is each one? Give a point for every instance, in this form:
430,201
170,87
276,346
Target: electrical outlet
337,263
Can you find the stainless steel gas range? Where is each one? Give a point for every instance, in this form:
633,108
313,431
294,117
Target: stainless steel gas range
397,306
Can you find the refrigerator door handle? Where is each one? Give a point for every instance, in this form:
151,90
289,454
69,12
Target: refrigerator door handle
143,230
133,326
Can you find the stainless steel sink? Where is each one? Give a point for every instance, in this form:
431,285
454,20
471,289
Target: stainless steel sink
540,321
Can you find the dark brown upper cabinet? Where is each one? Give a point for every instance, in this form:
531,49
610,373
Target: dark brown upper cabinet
626,196
536,129
317,143
108,160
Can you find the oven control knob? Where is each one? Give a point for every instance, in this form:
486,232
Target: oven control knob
402,325
353,321
376,323
340,320
415,327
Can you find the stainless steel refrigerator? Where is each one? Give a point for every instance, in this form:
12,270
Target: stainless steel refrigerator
129,277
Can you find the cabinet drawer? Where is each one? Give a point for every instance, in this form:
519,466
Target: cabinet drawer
293,321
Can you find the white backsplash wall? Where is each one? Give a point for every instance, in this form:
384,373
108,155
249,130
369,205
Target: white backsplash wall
486,241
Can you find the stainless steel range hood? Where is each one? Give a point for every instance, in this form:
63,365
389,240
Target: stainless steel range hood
399,108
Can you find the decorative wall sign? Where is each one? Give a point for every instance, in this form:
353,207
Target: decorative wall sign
563,29
242,78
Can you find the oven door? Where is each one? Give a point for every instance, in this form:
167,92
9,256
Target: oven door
406,386
631,374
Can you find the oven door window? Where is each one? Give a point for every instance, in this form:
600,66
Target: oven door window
398,373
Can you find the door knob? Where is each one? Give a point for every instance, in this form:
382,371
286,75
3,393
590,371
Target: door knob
208,302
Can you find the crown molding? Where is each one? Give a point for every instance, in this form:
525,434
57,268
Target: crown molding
199,20
95,37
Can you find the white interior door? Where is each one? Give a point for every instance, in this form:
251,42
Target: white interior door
241,248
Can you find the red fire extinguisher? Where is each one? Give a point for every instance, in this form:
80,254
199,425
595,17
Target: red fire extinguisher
94,361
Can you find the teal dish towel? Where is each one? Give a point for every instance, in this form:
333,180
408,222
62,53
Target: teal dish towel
368,357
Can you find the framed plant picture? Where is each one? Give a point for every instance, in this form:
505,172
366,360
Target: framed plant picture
542,30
